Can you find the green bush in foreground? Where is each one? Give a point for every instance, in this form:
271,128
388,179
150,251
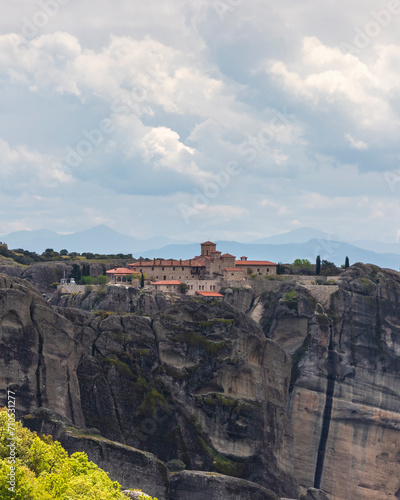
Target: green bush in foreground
36,468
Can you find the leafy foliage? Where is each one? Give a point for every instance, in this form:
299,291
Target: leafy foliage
301,266
329,269
25,257
43,470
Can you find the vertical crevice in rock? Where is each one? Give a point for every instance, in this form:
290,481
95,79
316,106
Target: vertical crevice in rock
326,421
71,404
39,398
117,414
40,369
157,341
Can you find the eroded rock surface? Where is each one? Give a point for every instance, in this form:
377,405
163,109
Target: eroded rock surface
39,352
345,388
196,381
195,485
309,394
124,464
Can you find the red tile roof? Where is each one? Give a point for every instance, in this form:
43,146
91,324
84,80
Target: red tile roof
255,263
228,255
208,243
234,269
120,270
172,282
209,294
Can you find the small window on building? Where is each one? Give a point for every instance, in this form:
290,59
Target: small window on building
267,269
173,268
162,269
152,268
183,268
165,278
258,270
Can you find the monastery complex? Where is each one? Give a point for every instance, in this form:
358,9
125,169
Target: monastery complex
203,273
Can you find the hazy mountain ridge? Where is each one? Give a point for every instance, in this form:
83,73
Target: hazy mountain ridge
99,239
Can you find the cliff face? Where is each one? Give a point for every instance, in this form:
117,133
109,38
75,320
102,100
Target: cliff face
295,385
345,388
196,381
39,352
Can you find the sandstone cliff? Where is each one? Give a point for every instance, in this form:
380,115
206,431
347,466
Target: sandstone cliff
280,384
345,389
197,381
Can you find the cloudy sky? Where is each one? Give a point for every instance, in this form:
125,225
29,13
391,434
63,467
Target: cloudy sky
206,119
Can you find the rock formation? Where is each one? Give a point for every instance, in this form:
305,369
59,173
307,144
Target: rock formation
198,381
194,485
345,387
283,385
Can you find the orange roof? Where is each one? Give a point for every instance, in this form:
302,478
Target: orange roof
208,243
228,255
234,269
209,294
172,282
119,270
255,263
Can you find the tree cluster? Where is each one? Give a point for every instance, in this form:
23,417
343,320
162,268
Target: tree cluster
40,469
25,257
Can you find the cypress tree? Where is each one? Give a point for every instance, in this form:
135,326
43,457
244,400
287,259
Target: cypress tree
76,273
346,263
142,281
318,266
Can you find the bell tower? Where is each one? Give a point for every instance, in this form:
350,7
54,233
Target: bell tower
207,248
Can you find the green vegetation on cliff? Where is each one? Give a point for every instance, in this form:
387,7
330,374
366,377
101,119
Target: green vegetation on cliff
36,468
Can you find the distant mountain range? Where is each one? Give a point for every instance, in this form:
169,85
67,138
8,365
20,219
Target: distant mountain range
303,243
99,239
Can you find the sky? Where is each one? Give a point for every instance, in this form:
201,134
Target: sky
206,119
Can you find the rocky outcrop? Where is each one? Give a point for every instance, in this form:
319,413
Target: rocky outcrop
308,395
314,494
124,464
14,271
44,274
129,466
114,299
136,495
187,383
345,383
39,352
194,485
